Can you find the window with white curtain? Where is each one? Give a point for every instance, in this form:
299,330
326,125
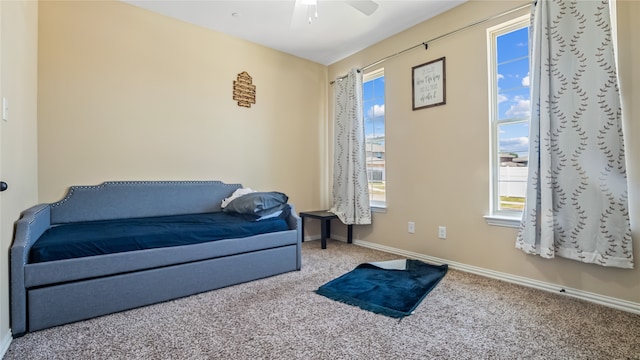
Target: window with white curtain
509,116
374,126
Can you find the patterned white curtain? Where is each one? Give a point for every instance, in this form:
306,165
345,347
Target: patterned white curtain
350,186
577,185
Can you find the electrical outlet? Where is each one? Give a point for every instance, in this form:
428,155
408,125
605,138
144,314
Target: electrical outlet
442,232
411,227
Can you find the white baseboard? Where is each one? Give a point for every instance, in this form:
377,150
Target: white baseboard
4,345
629,306
316,237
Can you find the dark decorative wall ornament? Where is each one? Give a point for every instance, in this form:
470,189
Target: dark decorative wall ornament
244,92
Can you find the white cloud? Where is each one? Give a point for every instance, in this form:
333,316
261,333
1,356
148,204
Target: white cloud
521,108
516,144
376,111
500,76
525,80
502,98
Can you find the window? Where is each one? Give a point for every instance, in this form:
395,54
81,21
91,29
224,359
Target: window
509,115
373,103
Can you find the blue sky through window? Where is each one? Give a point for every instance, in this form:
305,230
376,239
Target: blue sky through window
373,98
513,91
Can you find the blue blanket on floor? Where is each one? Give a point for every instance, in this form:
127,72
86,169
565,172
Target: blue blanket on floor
388,291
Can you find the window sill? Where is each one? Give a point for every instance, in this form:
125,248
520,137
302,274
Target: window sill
506,221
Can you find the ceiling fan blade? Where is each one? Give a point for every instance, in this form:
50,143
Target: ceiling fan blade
299,16
366,7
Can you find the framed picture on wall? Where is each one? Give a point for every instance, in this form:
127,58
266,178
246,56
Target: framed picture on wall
429,84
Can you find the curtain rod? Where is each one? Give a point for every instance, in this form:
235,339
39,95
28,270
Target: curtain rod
426,43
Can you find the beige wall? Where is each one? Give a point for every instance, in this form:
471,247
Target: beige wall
423,145
127,94
18,136
124,94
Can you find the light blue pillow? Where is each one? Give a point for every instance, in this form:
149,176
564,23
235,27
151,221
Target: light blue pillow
258,203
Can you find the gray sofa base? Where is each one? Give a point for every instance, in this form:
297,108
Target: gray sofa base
58,292
90,298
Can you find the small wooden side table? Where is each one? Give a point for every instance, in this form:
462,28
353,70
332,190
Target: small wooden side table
325,218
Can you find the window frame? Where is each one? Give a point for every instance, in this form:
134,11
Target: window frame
369,76
508,218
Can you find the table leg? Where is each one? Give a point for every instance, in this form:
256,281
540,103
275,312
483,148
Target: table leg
325,230
349,234
302,229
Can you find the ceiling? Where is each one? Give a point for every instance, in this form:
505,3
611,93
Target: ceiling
339,30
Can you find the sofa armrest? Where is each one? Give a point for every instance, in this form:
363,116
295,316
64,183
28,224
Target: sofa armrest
295,223
31,225
293,220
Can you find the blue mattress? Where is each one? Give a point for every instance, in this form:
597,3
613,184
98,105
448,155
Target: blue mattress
82,239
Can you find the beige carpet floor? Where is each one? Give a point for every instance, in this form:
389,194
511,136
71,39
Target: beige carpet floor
464,317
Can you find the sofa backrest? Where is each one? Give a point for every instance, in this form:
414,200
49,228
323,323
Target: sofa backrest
128,199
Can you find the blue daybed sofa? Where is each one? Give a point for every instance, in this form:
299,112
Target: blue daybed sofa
49,290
